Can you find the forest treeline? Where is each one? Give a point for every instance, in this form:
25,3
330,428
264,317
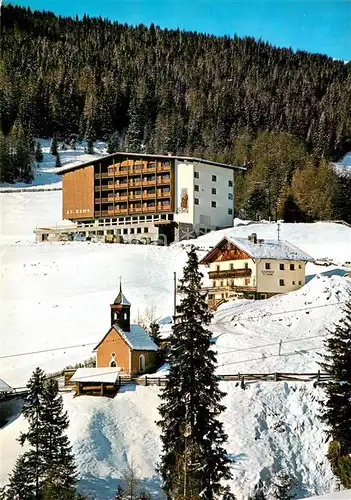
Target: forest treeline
144,88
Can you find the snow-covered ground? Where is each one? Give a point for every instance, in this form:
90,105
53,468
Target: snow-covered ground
56,295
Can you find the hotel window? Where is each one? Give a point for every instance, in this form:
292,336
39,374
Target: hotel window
213,204
132,230
217,268
230,211
230,184
214,191
267,265
196,201
221,283
293,282
281,267
292,267
125,231
247,281
214,178
196,187
281,282
230,196
300,282
231,267
214,284
246,265
196,175
300,266
146,229
139,230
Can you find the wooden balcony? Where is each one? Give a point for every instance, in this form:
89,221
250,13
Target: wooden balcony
120,185
163,168
164,208
163,194
162,182
111,199
230,273
135,196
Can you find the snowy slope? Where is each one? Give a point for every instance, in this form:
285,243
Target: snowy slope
44,176
58,294
337,495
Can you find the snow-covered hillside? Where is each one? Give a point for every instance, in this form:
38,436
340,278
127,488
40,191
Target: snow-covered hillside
44,176
55,295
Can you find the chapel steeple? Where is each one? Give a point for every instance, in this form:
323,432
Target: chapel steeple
120,310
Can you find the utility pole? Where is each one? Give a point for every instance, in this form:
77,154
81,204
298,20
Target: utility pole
174,296
278,230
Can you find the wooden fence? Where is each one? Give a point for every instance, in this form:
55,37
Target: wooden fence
317,377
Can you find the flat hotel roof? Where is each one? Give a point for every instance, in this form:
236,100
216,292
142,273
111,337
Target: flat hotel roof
94,159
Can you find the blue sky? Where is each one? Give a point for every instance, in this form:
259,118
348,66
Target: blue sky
322,26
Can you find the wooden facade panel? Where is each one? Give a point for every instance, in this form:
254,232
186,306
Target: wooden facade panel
78,194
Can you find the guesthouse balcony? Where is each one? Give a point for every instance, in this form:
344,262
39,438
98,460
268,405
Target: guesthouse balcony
230,273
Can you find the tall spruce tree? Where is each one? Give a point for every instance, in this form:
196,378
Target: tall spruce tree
193,462
38,153
47,469
53,147
336,411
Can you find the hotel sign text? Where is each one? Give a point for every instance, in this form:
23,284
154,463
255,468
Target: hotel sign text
78,211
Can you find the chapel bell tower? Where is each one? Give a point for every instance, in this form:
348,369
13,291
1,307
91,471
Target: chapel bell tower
120,311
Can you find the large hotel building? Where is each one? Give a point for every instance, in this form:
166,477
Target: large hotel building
142,196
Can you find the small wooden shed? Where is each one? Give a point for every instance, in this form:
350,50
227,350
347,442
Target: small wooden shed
97,381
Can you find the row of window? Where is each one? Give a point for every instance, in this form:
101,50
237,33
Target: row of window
213,205
282,266
230,282
213,191
246,282
282,282
214,178
231,266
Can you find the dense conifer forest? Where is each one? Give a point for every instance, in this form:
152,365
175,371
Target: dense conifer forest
143,88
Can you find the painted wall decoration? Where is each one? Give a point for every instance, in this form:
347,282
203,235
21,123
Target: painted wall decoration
184,201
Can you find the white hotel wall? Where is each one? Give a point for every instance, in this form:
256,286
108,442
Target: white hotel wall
184,179
205,215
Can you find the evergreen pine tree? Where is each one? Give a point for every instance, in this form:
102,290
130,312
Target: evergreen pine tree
119,493
58,161
31,464
336,412
113,142
193,461
154,330
57,453
280,489
133,139
53,147
38,153
47,469
90,146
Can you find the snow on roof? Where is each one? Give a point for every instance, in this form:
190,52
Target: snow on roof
79,163
271,249
137,338
4,387
107,375
264,249
82,160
